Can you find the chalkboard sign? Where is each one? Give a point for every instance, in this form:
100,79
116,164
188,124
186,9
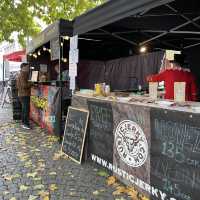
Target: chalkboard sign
175,153
101,130
74,135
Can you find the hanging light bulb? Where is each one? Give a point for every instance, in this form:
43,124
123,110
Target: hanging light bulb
39,53
49,50
143,49
44,48
30,54
61,44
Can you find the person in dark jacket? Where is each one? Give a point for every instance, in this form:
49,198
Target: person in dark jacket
24,90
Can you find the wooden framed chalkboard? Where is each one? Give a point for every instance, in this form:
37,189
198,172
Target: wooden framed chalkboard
74,135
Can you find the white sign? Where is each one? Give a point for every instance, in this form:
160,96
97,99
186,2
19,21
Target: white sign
73,56
74,42
72,70
131,143
153,90
72,83
179,91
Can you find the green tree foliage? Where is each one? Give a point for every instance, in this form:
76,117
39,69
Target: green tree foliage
19,15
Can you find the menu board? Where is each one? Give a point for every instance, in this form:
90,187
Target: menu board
74,135
101,137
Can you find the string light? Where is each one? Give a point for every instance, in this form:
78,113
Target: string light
64,60
61,44
49,50
39,53
66,37
44,48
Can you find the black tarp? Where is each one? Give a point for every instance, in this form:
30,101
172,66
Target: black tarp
59,28
113,11
121,74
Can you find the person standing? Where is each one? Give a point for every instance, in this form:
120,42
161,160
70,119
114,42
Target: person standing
24,90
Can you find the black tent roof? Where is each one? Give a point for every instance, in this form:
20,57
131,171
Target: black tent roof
173,24
112,11
58,28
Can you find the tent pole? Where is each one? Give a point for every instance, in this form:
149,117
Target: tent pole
192,45
172,29
119,37
3,73
183,16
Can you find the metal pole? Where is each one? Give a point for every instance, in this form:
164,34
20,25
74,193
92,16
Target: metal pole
172,29
3,73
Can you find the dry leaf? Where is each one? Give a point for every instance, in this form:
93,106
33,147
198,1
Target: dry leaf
37,179
8,177
120,190
13,198
31,197
44,195
132,192
111,180
32,174
52,173
53,187
102,173
96,192
39,187
72,193
23,188
57,155
145,198
6,192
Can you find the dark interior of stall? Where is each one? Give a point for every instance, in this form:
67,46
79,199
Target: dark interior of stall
115,47
42,56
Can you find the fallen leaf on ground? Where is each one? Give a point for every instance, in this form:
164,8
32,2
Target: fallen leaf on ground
131,192
6,192
52,173
111,180
102,173
122,198
72,193
32,174
23,188
38,187
120,190
31,197
7,177
53,187
96,192
41,165
16,176
13,198
57,155
37,179
44,195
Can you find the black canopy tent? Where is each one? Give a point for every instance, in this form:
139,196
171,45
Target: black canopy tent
119,28
59,28
47,49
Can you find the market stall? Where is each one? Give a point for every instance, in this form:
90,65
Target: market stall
48,58
148,143
161,159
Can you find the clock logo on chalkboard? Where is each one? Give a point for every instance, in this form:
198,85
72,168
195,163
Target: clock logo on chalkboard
131,143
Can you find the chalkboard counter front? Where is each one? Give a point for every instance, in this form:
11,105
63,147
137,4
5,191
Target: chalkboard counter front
155,148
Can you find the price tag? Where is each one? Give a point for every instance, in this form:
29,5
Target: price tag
179,91
153,90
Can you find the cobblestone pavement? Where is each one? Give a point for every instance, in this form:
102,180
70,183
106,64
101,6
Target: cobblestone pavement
31,167
5,114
